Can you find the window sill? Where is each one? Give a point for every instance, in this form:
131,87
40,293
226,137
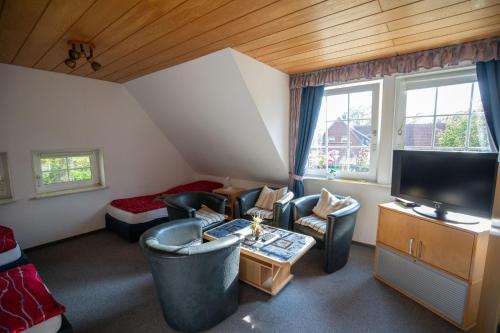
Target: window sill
66,192
6,201
347,181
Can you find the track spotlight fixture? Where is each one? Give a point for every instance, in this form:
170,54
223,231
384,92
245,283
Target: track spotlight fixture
86,51
95,66
70,63
73,53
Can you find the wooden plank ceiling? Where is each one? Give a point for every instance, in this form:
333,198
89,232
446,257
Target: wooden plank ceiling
137,37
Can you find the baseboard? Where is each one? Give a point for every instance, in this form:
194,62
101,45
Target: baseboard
371,246
62,240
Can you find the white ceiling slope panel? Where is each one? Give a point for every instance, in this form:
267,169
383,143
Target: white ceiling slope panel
207,110
271,94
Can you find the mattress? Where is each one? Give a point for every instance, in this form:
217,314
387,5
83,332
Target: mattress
145,209
51,325
11,255
136,218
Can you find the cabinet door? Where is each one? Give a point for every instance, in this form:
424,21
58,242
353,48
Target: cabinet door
398,231
446,248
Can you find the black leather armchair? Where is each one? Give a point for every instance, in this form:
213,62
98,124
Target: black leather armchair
197,284
281,208
339,230
185,205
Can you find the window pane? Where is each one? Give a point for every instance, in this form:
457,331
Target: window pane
53,163
420,102
454,99
75,162
361,132
451,132
477,105
360,105
337,158
359,159
80,174
337,107
337,133
418,132
479,134
317,158
54,177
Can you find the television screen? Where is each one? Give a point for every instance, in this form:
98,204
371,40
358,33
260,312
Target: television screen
455,181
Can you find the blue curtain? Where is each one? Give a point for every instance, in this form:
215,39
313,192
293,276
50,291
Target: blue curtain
488,76
310,106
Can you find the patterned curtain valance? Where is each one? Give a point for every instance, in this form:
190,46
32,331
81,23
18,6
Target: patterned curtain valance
481,50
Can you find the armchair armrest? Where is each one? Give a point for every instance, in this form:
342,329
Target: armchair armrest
247,200
214,201
281,211
303,206
352,208
177,210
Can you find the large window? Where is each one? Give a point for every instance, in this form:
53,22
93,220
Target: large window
441,112
345,139
5,185
67,171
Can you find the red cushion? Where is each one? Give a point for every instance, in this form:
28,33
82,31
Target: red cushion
25,300
7,240
146,203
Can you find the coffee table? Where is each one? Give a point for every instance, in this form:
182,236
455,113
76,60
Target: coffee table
265,264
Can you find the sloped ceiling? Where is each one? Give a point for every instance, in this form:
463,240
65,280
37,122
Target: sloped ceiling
226,113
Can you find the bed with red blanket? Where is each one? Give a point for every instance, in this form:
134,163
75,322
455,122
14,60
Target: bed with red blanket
27,305
130,217
10,252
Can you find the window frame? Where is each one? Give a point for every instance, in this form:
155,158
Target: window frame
96,166
375,86
428,80
5,172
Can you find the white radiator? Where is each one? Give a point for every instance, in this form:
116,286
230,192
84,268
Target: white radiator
441,292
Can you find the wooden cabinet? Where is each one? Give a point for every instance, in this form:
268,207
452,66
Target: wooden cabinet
398,231
445,248
453,250
231,194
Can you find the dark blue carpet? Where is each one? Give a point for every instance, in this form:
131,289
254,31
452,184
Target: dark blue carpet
105,284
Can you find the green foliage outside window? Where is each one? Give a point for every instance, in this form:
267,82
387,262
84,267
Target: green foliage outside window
66,169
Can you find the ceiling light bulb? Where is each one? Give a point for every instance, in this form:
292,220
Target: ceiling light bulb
70,63
95,66
74,54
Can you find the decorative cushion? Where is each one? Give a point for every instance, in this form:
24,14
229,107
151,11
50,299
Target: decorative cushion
314,222
208,216
264,213
268,197
328,203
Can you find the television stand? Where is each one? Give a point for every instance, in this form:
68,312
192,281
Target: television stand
444,215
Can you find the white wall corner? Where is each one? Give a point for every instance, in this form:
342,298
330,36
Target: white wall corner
270,92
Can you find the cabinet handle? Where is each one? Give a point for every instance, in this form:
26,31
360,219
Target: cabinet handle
410,251
420,248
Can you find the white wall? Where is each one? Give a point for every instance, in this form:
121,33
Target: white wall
208,112
271,94
42,110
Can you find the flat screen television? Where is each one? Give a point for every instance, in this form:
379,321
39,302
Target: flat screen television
449,182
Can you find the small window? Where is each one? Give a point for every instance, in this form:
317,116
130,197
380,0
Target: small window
442,112
5,184
345,138
67,171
